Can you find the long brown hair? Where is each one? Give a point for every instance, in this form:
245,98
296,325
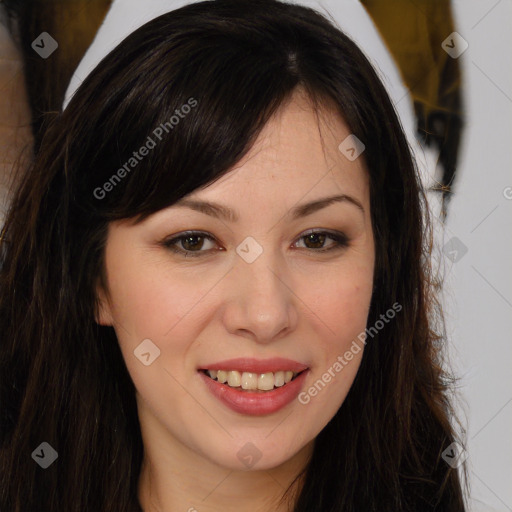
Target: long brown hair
63,377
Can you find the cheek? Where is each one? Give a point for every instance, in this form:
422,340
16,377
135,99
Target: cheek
153,301
342,306
150,305
343,300
149,299
343,309
346,314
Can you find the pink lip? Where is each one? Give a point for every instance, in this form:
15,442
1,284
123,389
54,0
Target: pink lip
253,403
247,364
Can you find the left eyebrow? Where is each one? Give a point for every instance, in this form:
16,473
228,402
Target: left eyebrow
220,211
313,206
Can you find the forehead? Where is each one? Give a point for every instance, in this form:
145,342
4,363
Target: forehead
296,154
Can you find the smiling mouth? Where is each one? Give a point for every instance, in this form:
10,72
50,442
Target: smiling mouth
255,382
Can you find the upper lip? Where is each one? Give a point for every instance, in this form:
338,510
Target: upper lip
251,365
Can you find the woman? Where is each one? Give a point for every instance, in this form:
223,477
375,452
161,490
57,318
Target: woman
215,290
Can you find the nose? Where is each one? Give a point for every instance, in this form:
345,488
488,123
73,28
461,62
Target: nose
260,303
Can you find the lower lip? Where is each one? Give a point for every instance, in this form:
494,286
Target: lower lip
256,404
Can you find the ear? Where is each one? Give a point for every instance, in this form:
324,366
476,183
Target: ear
103,313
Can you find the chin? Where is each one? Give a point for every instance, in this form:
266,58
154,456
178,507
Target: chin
256,451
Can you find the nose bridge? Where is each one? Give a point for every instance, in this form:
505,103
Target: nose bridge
261,303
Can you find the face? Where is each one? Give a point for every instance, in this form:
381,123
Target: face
276,287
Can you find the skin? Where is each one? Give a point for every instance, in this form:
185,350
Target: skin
292,302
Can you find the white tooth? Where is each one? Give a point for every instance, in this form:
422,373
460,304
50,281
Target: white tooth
279,379
266,381
234,378
249,380
253,381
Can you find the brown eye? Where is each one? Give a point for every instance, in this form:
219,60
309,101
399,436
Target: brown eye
192,242
189,244
316,240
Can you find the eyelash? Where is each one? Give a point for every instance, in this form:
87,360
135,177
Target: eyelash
340,239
